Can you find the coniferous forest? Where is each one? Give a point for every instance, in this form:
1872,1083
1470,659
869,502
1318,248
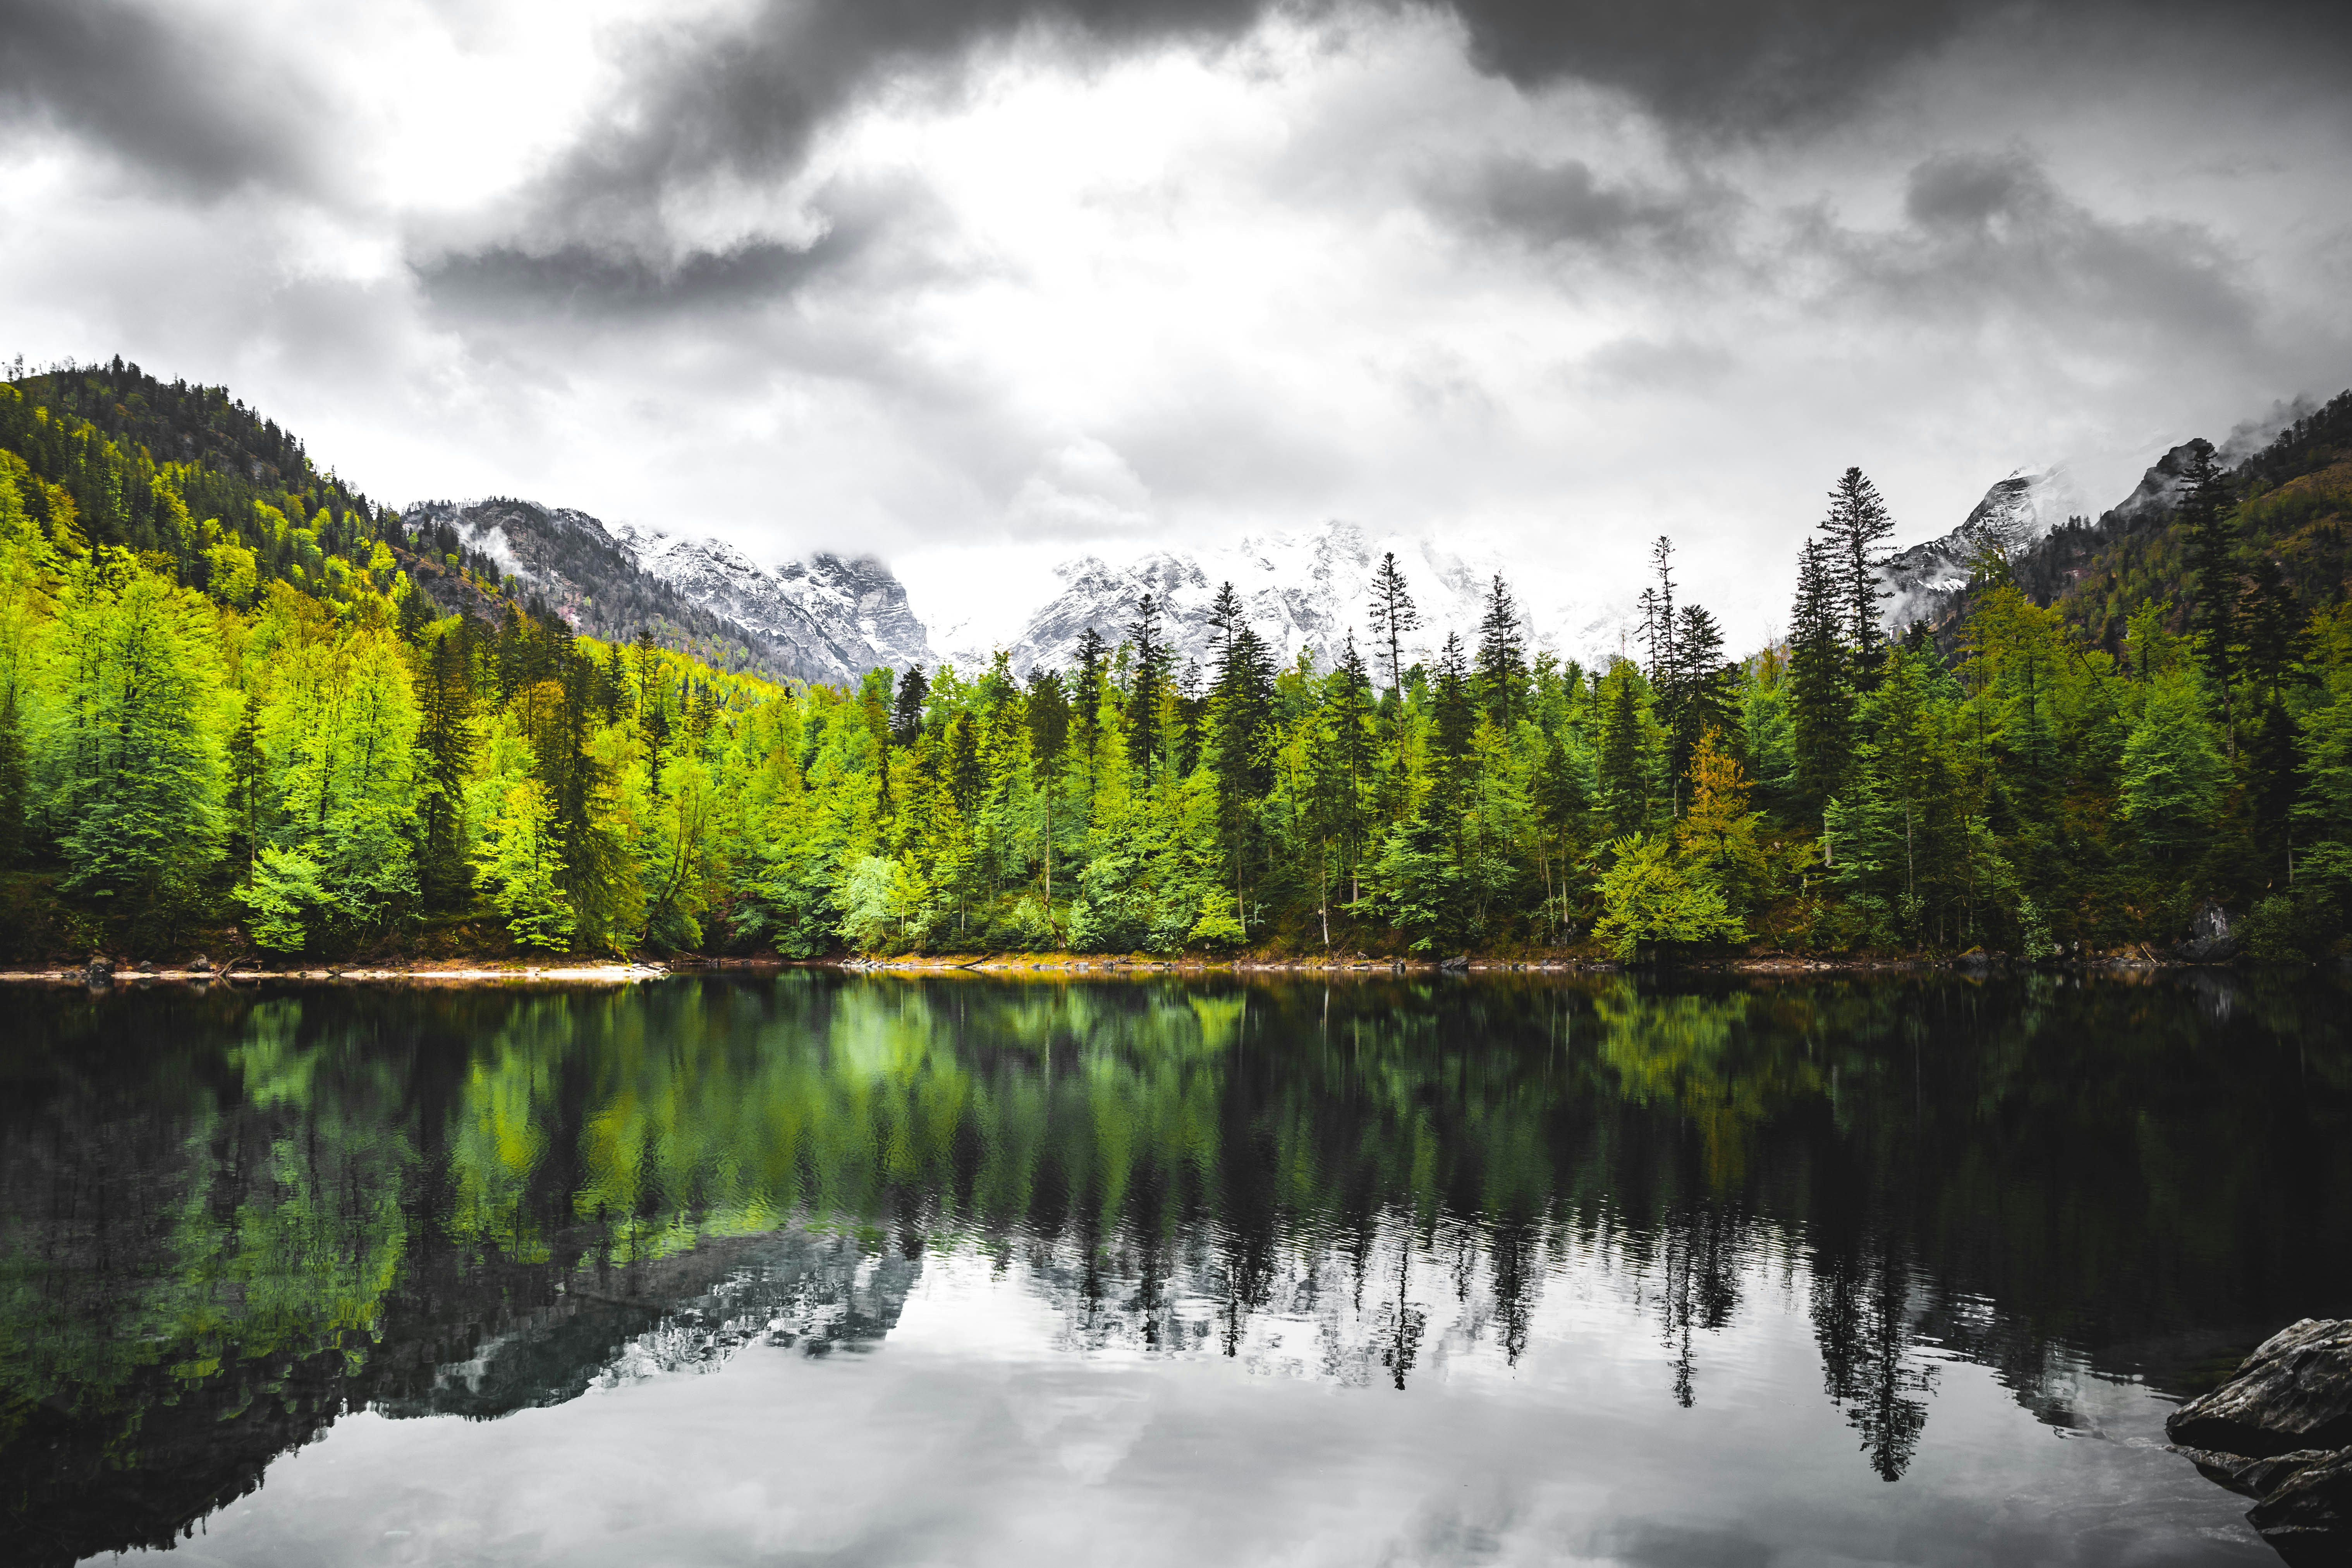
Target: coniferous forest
232,717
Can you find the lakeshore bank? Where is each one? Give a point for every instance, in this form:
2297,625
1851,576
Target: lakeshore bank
575,970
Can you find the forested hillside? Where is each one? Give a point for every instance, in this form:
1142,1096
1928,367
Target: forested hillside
229,715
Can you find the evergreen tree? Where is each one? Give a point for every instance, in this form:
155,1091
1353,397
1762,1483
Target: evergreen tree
1047,712
1453,707
1699,695
1855,531
1502,658
2173,774
1090,684
1392,616
1821,696
2210,521
1658,613
1625,774
444,737
907,706
1148,686
1344,774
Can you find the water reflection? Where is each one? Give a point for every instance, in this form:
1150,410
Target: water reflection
227,1220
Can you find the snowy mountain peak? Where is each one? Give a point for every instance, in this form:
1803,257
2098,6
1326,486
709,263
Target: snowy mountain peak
2015,513
819,619
1303,589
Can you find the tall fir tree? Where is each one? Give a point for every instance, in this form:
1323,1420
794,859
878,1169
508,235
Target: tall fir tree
907,706
1392,616
1820,693
2209,519
444,738
1148,683
1855,529
1502,658
1453,704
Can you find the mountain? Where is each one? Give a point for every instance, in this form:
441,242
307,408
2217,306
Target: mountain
856,609
1307,589
2016,512
822,619
2292,469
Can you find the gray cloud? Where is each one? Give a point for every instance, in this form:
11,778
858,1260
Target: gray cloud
1992,230
743,98
1566,204
173,101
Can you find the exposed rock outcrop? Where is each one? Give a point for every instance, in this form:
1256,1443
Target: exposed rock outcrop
2209,940
2279,1431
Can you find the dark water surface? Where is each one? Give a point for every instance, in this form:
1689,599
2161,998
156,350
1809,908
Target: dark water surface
876,1270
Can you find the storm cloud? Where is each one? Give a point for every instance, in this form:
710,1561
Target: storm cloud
201,112
977,284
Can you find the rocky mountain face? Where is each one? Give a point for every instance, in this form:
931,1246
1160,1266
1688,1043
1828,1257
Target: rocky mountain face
846,616
2032,517
822,619
1307,589
2016,512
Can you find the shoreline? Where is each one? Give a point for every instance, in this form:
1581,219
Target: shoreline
468,974
1065,966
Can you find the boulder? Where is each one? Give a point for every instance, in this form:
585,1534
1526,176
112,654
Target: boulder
200,964
2307,1516
2295,1392
2209,940
100,971
2255,1478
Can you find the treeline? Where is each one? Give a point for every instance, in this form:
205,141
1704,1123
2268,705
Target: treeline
209,717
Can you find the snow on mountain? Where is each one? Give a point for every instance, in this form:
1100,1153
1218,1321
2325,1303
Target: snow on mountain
1307,589
2015,513
846,616
819,619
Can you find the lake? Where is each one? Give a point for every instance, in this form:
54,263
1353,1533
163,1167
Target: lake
814,1267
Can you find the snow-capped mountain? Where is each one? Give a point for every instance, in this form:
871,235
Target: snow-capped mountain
1307,589
851,616
2016,512
819,619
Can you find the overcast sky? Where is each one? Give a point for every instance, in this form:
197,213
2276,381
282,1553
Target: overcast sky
976,286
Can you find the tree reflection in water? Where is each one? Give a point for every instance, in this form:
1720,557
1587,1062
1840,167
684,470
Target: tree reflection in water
227,1219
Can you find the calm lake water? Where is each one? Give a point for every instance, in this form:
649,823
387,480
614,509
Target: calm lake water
816,1269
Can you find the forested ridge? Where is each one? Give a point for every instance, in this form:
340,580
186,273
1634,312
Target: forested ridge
231,713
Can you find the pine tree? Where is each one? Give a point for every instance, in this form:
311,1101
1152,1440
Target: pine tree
1148,684
1392,616
2209,520
1658,613
1821,696
1855,529
1455,707
1090,684
444,737
1700,695
1624,782
1344,777
907,706
1502,658
1047,712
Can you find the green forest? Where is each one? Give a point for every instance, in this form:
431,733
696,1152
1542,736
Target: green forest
233,719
